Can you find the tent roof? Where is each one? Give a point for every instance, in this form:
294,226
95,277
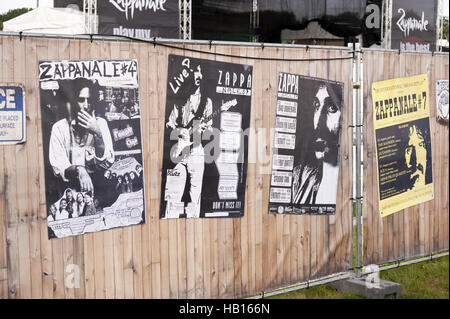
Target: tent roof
311,32
47,20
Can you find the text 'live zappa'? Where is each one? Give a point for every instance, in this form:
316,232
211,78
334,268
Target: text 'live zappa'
205,146
91,129
305,162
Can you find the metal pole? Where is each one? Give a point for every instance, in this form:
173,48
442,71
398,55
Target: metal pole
357,167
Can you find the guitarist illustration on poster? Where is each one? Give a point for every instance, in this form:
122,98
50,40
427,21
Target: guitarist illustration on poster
205,147
183,120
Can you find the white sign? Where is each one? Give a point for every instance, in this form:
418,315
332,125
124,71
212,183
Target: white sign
12,113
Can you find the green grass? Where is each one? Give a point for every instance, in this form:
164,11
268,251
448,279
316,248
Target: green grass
424,280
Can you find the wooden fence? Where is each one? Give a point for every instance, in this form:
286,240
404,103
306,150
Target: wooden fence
422,229
213,258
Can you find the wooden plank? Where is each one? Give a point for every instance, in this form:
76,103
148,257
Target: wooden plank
331,220
107,281
313,219
22,186
251,183
444,62
78,241
45,243
33,164
145,69
258,196
442,185
221,229
89,266
63,50
87,249
128,265
99,265
3,227
165,266
57,244
322,235
244,238
377,221
137,230
306,220
236,233
117,234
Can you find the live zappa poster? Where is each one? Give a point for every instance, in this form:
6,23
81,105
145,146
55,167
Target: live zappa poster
205,146
305,163
414,25
401,116
139,19
91,129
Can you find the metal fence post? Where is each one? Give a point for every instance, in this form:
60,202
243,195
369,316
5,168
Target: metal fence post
357,85
356,65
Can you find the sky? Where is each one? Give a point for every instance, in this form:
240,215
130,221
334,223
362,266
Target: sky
6,5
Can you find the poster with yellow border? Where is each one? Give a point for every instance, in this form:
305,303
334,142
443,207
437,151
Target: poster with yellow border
401,118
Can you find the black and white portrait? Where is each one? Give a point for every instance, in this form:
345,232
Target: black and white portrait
315,177
207,112
305,166
89,145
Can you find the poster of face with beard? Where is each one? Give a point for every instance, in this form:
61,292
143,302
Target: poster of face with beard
205,146
305,163
91,129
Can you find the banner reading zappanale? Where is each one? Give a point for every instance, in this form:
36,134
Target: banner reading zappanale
143,19
401,116
205,150
91,129
305,163
414,25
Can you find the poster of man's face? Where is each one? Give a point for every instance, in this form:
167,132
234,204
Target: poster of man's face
408,157
92,145
305,167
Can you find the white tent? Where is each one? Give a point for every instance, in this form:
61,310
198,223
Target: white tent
48,20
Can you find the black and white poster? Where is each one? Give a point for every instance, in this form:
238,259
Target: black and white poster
139,19
91,129
414,25
205,145
305,162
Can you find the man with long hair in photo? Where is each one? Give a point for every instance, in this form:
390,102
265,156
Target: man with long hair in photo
417,157
315,178
80,147
189,153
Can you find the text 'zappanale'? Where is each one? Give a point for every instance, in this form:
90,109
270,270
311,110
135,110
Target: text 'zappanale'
141,5
411,24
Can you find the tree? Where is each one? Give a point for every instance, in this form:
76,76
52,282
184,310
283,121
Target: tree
445,28
12,14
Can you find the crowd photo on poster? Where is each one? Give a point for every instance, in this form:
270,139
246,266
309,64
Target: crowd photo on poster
205,150
91,128
305,163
